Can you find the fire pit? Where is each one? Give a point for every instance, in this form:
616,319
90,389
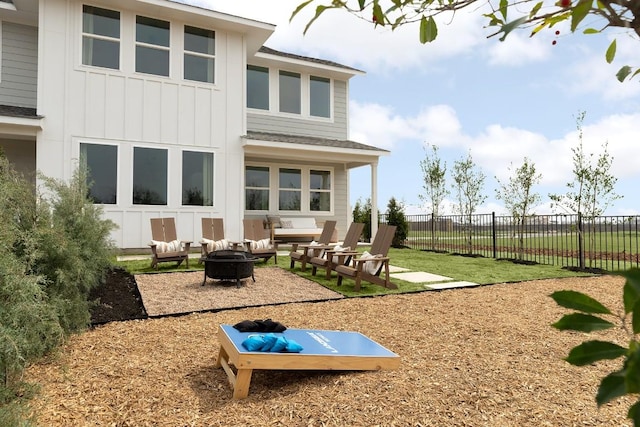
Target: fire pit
228,265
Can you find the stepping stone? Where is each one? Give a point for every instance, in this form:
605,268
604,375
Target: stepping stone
394,269
449,285
419,277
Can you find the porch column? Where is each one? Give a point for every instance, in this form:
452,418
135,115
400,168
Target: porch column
374,199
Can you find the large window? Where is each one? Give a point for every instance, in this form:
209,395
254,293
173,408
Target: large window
197,178
257,188
100,37
290,92
152,46
257,87
199,54
101,162
320,194
319,94
290,191
149,176
303,189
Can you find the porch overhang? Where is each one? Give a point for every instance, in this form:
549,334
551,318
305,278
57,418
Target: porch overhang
305,148
19,122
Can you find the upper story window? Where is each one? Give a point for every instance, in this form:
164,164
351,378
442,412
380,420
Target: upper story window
319,96
100,37
199,54
290,92
257,87
152,46
306,95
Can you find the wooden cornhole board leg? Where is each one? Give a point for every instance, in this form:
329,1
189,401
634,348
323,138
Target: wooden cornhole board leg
239,381
322,350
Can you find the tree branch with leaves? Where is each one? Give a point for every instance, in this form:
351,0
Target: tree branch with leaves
530,14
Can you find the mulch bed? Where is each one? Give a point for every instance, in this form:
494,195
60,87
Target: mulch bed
484,356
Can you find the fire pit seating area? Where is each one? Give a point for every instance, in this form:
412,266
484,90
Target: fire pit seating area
228,265
294,229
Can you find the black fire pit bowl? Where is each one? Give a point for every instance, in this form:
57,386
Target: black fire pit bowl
228,265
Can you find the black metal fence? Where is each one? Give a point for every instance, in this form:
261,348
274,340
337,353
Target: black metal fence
606,243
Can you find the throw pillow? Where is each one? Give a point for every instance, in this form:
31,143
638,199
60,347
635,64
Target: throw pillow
314,252
285,223
260,244
161,247
174,246
208,243
372,266
221,245
338,248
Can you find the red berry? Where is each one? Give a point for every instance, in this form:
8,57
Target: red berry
374,19
565,3
557,32
554,42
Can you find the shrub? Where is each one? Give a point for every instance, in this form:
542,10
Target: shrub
395,216
362,214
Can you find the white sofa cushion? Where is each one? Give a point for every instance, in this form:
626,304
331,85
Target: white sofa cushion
297,222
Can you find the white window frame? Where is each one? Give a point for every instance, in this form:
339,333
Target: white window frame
305,95
119,149
212,183
274,188
167,171
151,46
186,52
100,37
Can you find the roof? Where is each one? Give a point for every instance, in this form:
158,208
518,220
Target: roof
270,51
24,112
312,140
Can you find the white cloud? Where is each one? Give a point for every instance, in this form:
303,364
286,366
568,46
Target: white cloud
519,49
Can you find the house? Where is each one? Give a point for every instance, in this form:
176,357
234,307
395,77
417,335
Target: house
177,111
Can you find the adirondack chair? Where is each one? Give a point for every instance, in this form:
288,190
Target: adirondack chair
333,257
165,245
369,269
258,240
212,235
309,250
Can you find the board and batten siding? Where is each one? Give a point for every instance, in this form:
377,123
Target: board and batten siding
291,125
19,73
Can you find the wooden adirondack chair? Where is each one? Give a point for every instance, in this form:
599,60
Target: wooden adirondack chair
358,271
165,245
341,257
308,251
212,229
258,240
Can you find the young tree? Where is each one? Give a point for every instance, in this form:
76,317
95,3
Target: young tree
468,185
530,14
518,197
592,190
395,216
362,214
433,172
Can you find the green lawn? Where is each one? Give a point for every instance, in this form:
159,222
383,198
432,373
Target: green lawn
459,268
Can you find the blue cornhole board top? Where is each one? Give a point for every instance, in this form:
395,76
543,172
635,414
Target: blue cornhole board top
317,342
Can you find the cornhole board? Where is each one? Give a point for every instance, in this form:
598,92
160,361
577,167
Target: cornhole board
321,350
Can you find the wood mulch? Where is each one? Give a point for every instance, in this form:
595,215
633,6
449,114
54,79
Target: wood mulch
483,356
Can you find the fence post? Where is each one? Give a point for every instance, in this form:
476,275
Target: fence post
494,234
580,242
433,232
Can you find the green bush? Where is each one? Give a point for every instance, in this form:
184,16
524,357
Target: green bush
395,216
362,214
53,249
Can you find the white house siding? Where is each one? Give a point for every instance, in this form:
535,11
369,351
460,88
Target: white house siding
18,76
128,109
337,128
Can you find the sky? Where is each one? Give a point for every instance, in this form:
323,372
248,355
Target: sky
470,94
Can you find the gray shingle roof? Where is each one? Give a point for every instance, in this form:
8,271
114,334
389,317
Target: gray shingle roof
310,140
13,111
268,50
